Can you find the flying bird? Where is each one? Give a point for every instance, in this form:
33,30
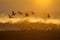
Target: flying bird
48,16
10,16
20,13
13,13
32,12
26,14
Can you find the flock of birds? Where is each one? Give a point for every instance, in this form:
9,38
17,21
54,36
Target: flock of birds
26,14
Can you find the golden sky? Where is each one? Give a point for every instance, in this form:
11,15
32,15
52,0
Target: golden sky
40,7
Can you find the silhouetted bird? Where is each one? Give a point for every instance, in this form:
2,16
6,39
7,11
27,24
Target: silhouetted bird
48,16
13,13
10,16
26,14
32,12
20,13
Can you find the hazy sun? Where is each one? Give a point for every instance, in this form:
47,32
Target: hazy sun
44,3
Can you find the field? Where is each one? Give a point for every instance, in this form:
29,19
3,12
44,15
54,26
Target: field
29,31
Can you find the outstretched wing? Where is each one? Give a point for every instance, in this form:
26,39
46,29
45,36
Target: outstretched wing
20,13
32,12
10,16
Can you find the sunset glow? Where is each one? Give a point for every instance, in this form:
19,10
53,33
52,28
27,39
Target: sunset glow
44,4
31,20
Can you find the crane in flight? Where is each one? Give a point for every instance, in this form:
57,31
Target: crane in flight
26,14
32,12
48,16
10,16
20,13
13,13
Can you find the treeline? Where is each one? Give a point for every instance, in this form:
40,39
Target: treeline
30,26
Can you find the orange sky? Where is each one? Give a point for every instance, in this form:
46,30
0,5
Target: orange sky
40,7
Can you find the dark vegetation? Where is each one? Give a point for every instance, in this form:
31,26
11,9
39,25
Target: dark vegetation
26,26
29,31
